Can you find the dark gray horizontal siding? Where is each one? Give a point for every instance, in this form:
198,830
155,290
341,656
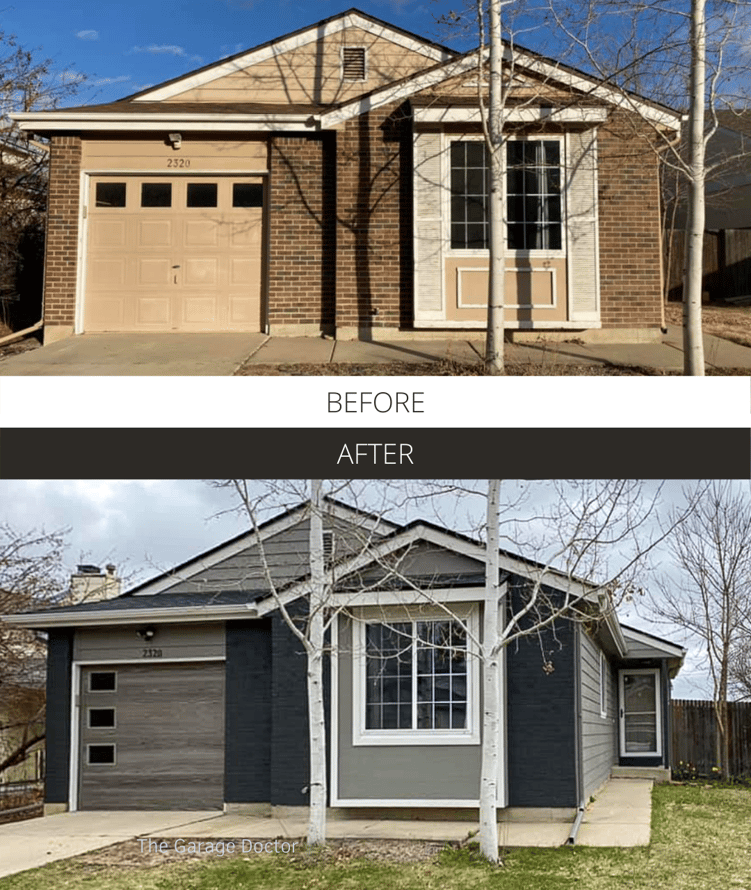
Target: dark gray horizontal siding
59,660
425,559
248,712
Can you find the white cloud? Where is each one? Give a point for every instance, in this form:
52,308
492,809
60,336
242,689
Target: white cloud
106,81
87,35
160,49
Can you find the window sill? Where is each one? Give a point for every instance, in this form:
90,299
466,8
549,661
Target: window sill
397,738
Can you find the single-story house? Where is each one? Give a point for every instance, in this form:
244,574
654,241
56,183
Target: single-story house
189,691
334,181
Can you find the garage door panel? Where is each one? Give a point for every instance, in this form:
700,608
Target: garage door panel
169,739
179,267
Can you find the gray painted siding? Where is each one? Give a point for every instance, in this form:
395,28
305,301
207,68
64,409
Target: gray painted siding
59,660
172,640
286,554
427,559
599,751
391,772
248,712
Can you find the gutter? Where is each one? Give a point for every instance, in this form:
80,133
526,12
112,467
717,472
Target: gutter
163,615
19,335
571,839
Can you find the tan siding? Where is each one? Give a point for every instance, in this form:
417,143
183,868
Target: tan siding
157,154
312,73
598,733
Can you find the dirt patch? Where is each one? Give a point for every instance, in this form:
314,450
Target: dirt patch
139,854
25,345
722,320
438,369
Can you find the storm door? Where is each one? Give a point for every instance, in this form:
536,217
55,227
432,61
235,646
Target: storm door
640,728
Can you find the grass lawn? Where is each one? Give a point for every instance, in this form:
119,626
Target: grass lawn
701,840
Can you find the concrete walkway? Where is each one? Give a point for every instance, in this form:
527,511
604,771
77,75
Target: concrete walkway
223,354
619,817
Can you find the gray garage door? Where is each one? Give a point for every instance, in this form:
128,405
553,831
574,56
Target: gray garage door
152,736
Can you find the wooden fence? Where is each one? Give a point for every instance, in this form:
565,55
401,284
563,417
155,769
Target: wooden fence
694,728
727,264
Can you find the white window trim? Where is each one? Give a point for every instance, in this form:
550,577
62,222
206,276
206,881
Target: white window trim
453,252
658,713
603,685
397,737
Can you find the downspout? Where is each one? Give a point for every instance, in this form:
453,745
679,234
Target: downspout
571,839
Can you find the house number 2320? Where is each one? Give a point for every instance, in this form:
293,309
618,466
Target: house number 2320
151,653
178,162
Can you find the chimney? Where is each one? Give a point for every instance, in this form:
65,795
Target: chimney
89,584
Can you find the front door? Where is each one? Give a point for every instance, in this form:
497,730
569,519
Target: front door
640,723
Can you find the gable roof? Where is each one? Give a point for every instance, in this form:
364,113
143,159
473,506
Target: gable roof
351,18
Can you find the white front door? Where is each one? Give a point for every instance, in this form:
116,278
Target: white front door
640,723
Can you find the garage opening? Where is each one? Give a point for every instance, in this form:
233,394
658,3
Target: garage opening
152,737
174,254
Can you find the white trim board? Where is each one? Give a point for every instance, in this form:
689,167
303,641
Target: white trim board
285,44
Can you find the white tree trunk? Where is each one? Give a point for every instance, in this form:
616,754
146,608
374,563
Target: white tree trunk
494,360
317,724
491,683
693,346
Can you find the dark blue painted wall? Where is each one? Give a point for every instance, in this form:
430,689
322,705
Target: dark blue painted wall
248,712
59,660
542,719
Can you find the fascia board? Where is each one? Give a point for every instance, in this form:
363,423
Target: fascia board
50,122
284,45
548,70
671,649
129,616
512,115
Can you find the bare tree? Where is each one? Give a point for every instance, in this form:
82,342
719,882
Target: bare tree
709,594
30,576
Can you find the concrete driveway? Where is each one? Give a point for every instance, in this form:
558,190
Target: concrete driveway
619,816
136,355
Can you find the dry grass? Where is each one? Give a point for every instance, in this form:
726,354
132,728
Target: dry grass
729,322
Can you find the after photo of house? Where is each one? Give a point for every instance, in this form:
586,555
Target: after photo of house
428,676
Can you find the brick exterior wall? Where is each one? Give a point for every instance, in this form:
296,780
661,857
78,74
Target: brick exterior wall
374,216
302,231
61,250
629,226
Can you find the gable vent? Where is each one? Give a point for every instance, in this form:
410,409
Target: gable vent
353,63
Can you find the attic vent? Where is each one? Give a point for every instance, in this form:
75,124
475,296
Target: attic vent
328,548
353,63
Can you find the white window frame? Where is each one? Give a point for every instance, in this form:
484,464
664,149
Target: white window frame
455,252
658,713
603,685
470,735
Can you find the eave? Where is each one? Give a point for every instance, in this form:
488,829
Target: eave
57,121
157,615
538,114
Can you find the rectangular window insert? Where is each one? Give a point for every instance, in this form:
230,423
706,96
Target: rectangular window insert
416,676
100,754
156,194
353,63
101,718
102,681
533,194
201,194
110,194
247,194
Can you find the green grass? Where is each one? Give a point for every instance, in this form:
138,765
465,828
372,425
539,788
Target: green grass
701,840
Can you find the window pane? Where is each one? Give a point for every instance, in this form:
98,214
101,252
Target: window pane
475,154
442,716
247,194
102,681
110,194
641,733
459,715
101,753
476,236
101,718
201,194
389,676
552,153
639,692
156,194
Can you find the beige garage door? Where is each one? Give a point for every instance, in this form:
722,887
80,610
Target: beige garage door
174,254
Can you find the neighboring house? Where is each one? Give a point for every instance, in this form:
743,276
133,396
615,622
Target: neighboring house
333,181
727,239
189,691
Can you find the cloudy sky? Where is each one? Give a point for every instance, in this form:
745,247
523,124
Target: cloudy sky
145,527
124,47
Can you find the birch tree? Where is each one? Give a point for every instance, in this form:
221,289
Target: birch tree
709,592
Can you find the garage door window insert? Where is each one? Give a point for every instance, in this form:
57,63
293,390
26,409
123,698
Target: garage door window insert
156,194
533,194
416,676
102,681
110,194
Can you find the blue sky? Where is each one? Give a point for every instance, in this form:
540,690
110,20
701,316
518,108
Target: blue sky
124,47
